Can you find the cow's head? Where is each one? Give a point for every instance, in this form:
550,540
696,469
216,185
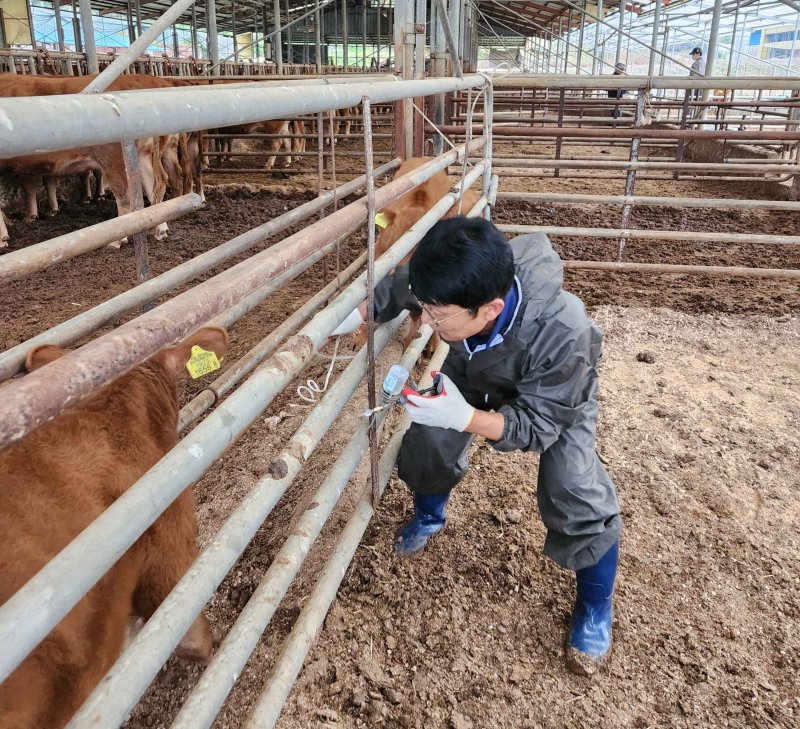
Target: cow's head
172,359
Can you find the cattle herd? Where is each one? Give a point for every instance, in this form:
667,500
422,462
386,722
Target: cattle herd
62,476
173,162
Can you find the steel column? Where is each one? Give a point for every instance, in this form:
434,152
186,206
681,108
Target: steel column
213,39
87,23
345,37
277,45
654,39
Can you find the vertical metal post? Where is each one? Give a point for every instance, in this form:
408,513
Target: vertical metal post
378,36
794,45
620,30
175,48
684,123
438,63
129,14
277,46
87,22
630,179
345,38
371,391
59,26
599,14
137,16
454,13
488,113
654,39
136,202
580,38
560,140
400,107
318,39
420,14
30,25
664,52
289,36
233,31
711,55
194,31
76,31
211,30
567,41
364,38
733,38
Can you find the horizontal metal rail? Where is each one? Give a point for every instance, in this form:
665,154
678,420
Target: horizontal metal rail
235,373
616,267
678,202
626,133
70,331
292,136
290,153
735,177
559,81
113,117
268,707
43,394
765,167
64,247
28,616
675,235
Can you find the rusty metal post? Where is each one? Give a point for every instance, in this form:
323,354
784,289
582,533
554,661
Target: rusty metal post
630,178
277,50
419,73
560,140
136,202
373,423
684,123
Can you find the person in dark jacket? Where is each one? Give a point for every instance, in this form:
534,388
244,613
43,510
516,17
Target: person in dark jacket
619,70
522,373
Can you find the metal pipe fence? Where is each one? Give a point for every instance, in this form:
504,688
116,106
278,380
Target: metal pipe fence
74,329
26,618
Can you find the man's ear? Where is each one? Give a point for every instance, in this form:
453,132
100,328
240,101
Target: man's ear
493,309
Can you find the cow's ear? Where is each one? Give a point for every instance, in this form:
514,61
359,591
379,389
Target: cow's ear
42,355
211,339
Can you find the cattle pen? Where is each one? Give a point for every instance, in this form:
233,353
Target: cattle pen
675,209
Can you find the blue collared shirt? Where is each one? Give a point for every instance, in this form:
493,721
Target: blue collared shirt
502,324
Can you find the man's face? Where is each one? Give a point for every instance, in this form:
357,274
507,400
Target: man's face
696,56
454,323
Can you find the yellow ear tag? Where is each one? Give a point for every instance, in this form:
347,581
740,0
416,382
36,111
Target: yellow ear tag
381,220
202,362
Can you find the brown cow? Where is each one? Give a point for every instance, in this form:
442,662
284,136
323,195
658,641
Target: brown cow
161,160
400,216
53,484
272,126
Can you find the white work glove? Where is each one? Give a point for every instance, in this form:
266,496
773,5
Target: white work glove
354,321
447,410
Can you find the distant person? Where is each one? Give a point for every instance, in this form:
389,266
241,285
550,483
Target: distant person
698,68
619,70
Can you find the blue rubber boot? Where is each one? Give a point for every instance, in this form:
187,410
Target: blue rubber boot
428,520
590,633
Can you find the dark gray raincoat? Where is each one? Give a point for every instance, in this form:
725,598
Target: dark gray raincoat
543,379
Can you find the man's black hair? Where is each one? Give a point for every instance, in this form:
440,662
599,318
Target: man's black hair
462,261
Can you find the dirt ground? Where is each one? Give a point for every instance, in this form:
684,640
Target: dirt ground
702,444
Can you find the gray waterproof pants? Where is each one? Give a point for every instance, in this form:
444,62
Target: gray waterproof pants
577,499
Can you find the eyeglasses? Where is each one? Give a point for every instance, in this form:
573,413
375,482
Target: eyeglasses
436,322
